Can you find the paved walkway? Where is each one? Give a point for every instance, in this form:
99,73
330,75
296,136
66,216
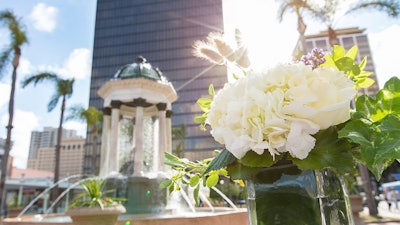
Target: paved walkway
389,217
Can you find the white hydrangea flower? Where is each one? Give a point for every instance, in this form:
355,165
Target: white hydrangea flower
280,109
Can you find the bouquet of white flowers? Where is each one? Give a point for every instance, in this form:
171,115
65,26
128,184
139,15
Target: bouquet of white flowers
307,112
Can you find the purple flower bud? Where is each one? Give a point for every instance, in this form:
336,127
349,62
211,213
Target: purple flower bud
314,58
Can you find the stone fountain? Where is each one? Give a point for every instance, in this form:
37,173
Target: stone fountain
142,97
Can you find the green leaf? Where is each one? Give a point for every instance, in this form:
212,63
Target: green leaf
196,195
379,143
329,152
345,64
200,119
365,82
172,160
239,171
212,180
352,53
387,101
338,52
355,70
166,183
211,90
204,103
329,62
223,159
255,160
194,181
363,63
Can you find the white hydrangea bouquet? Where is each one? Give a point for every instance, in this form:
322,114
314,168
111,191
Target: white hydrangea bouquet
307,112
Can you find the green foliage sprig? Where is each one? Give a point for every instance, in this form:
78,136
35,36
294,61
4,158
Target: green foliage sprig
345,61
194,174
94,195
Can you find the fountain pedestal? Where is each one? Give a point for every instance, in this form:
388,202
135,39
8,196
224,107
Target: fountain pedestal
145,196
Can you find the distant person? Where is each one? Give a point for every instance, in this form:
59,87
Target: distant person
386,193
394,197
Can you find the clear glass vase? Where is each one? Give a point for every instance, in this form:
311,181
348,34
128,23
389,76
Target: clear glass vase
286,195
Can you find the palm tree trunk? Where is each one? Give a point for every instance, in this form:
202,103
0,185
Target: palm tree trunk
7,147
95,169
55,192
333,40
371,203
301,28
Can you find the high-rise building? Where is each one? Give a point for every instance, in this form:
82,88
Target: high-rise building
163,32
71,155
348,38
46,139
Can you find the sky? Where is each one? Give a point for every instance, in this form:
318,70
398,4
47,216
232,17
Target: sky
61,33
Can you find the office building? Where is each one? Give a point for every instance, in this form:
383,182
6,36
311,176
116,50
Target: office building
348,38
163,32
71,157
46,139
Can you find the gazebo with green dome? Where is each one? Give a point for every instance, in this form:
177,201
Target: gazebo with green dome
140,92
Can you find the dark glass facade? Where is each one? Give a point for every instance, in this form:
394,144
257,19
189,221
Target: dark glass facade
162,31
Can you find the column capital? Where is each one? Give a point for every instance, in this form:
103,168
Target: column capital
161,106
141,102
116,104
169,113
107,111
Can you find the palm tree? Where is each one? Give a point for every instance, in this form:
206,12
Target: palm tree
327,13
13,51
299,7
93,117
64,89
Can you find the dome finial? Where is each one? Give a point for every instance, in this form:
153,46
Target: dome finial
140,59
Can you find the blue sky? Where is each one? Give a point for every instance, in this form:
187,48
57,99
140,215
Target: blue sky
61,34
60,40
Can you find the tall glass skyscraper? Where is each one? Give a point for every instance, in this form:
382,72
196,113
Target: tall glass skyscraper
162,31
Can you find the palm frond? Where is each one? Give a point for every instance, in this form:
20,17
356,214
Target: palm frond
5,59
35,79
53,101
75,113
391,7
18,34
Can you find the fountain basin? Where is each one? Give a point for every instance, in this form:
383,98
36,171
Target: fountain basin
221,216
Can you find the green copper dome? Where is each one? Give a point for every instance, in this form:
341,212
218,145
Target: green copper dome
139,69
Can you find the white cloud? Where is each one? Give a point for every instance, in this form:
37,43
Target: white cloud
44,17
4,94
385,46
25,67
23,123
78,65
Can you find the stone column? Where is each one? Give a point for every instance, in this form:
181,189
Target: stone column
114,137
169,131
105,143
138,138
162,135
